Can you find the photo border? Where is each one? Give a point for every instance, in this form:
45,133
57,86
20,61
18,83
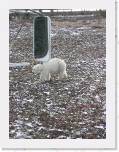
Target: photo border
110,141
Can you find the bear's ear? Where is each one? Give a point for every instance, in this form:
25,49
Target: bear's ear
34,62
40,62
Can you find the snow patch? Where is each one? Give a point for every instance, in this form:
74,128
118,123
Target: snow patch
22,64
92,87
100,127
97,98
29,124
47,93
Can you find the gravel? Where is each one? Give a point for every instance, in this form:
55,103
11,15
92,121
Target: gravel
72,108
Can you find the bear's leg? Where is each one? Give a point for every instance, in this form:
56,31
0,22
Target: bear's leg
42,77
45,76
65,74
48,76
62,75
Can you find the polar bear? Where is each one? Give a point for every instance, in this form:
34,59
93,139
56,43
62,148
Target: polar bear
54,65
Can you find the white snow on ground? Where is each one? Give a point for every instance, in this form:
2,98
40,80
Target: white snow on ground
76,15
22,64
71,31
53,34
97,98
101,127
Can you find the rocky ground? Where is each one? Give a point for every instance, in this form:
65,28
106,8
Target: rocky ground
71,108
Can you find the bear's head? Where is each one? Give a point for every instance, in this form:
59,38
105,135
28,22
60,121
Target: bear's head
37,68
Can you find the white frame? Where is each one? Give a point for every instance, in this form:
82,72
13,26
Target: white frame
110,141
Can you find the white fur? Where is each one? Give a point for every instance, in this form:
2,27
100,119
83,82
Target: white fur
54,65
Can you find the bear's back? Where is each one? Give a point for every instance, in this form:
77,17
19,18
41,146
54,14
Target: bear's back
56,65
